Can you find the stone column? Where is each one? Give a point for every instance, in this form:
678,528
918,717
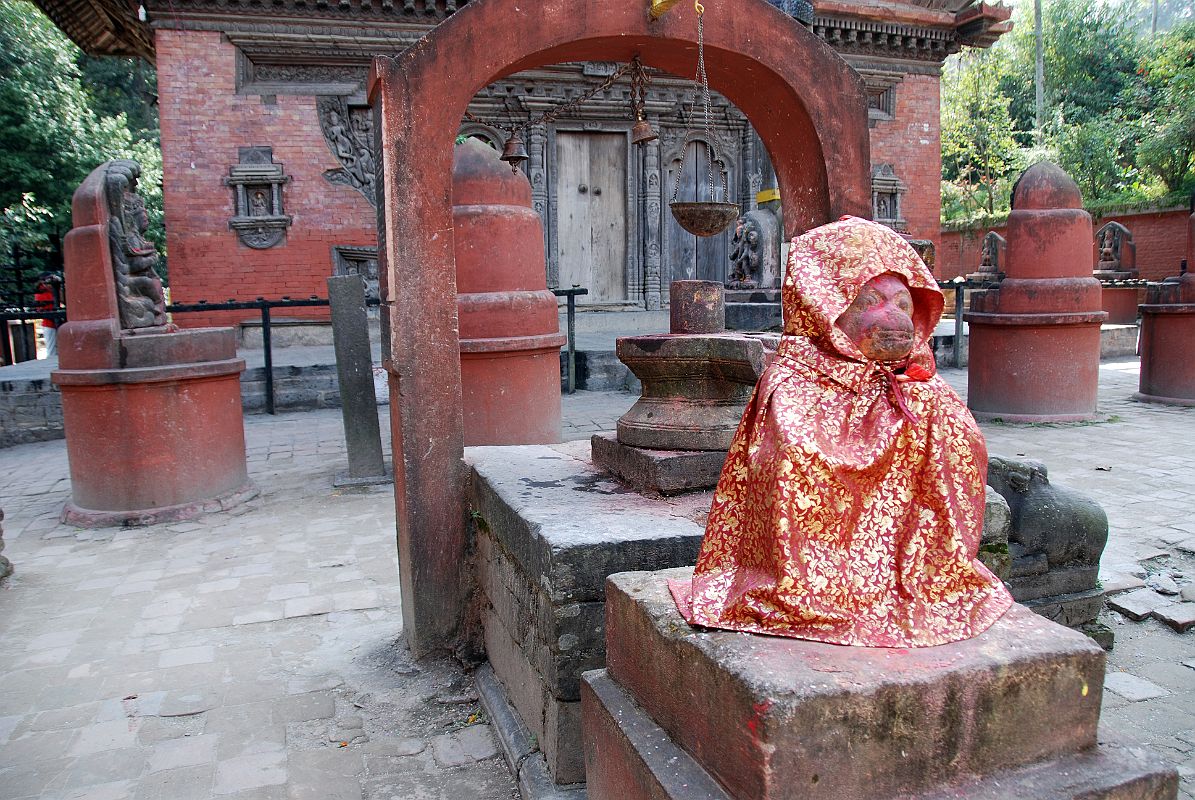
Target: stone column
354,371
653,203
1035,340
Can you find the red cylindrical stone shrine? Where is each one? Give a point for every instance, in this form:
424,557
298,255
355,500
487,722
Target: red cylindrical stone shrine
509,330
1168,337
154,428
1035,340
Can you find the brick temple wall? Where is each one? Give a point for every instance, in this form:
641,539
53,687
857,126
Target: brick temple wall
1160,236
203,122
911,142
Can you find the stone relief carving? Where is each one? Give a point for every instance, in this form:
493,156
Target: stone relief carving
257,183
348,130
138,288
1117,252
363,261
886,193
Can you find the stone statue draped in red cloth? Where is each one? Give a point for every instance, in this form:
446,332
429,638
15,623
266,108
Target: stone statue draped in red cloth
851,504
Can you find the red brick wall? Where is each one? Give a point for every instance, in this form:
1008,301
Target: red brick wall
203,123
912,144
1160,236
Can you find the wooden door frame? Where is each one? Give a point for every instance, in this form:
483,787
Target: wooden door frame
633,233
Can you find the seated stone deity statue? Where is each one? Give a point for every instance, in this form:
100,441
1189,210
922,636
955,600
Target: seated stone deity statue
139,290
850,507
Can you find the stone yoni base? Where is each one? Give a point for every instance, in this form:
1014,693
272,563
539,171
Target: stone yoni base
681,712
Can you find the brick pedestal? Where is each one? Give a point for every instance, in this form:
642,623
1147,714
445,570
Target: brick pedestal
683,713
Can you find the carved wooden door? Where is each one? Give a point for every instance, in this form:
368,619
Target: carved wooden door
591,202
692,257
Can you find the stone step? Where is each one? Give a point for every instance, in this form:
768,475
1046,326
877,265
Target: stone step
765,714
629,757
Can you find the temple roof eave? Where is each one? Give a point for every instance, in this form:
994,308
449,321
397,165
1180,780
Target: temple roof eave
102,27
937,27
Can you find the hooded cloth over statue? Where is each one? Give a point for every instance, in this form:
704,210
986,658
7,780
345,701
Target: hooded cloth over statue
850,507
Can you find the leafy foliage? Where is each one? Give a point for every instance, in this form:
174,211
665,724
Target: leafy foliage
56,127
1120,107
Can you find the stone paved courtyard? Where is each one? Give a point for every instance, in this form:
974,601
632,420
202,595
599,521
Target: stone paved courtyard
257,653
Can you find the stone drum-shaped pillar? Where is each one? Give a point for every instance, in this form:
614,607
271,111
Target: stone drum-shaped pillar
1035,340
509,330
1168,341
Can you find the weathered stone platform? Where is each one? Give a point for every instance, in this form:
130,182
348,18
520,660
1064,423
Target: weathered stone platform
550,527
685,713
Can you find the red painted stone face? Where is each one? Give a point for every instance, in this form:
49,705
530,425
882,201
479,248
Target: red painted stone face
880,321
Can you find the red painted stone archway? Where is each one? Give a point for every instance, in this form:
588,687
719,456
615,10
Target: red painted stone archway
806,103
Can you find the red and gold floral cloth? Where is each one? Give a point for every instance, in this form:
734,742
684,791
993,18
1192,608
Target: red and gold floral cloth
851,504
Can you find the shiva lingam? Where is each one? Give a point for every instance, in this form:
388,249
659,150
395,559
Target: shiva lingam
696,381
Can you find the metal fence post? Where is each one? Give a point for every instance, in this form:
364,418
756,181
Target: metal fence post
268,353
959,296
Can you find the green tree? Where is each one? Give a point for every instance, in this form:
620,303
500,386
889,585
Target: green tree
51,134
979,146
1168,70
1091,49
123,86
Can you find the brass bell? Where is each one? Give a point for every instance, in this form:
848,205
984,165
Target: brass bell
514,152
641,132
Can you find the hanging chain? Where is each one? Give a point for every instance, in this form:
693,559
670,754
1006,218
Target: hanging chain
551,114
704,80
639,81
706,107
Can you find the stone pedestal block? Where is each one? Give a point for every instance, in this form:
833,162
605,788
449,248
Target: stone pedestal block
1120,303
753,310
1033,368
161,436
550,528
665,472
768,717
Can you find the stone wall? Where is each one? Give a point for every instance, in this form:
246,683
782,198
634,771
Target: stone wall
204,122
30,411
1160,236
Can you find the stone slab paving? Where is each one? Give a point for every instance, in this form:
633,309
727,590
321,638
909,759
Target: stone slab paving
257,653
252,654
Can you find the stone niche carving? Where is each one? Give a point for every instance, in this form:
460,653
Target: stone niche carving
256,183
134,258
887,191
363,261
348,130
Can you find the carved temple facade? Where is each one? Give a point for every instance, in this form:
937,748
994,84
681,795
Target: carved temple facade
268,144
